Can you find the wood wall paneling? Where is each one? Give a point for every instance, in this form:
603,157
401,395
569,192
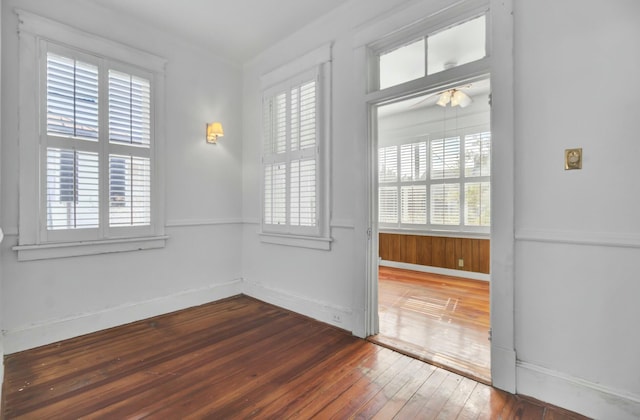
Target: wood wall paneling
436,251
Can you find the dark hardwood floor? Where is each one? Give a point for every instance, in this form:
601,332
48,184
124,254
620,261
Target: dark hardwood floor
242,358
439,319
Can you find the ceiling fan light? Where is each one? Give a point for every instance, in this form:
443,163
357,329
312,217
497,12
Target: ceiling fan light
445,98
460,98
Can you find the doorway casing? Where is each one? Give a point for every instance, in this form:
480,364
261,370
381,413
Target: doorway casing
499,63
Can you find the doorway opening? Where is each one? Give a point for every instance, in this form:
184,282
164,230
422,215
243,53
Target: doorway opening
434,212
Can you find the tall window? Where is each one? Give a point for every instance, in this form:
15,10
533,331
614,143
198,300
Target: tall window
86,143
294,195
75,158
90,130
291,156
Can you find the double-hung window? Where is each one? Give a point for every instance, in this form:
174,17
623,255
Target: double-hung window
295,143
91,143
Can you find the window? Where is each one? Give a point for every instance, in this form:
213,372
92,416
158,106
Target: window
430,53
93,144
451,193
434,163
294,145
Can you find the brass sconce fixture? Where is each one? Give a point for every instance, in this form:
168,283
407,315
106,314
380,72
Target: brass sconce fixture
214,130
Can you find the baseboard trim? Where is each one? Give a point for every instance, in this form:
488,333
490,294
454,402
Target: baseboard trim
503,368
322,311
436,270
584,397
203,222
49,332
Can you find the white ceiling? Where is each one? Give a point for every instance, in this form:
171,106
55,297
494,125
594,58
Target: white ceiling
236,29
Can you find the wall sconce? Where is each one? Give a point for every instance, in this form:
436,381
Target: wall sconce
214,130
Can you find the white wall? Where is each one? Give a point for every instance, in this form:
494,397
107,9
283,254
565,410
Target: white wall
44,301
1,294
322,284
578,232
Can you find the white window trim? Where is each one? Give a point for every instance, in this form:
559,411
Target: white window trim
33,30
318,58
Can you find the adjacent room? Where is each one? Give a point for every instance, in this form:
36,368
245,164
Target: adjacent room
206,192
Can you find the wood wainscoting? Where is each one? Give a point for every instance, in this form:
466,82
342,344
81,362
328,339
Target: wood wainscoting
436,251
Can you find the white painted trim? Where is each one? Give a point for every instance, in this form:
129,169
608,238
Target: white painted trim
54,30
11,231
416,17
322,243
438,233
606,239
47,332
343,223
203,222
313,58
576,394
75,249
437,270
338,316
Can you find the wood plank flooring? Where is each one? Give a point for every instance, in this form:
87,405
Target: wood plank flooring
242,358
439,319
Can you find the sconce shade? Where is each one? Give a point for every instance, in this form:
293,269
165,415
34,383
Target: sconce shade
214,130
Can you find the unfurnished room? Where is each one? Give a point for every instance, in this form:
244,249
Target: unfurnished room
319,209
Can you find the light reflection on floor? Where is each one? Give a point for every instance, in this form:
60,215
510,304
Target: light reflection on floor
443,320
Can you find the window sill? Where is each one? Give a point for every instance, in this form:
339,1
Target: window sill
322,243
76,249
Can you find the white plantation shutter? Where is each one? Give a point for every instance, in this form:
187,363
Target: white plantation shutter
303,193
72,97
275,194
80,154
425,185
388,164
445,158
72,189
129,191
414,204
477,154
388,205
413,161
477,203
291,156
445,204
130,128
129,109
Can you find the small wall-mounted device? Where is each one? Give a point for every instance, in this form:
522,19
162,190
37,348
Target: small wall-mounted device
572,159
